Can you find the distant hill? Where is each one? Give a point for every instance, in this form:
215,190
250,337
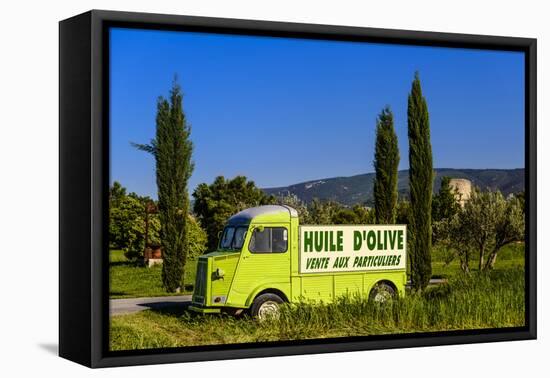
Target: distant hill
359,189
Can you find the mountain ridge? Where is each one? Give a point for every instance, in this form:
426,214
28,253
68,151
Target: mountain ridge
350,190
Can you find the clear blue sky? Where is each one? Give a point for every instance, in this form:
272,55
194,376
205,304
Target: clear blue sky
282,111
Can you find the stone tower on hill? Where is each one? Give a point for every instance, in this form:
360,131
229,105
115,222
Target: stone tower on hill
464,189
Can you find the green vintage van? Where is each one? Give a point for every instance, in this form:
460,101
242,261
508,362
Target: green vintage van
265,258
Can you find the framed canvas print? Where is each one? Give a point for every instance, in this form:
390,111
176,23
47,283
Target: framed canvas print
234,188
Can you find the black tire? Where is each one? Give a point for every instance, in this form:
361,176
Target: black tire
265,304
382,293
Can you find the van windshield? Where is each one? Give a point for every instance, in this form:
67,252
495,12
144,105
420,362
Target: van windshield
233,238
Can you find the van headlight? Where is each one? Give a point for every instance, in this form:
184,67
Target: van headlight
219,274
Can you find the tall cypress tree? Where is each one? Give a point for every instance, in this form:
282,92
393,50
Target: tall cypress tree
420,181
386,161
172,150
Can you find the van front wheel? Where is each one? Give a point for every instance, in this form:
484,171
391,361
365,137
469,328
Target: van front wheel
382,293
265,306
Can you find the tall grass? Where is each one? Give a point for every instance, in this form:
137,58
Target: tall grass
479,300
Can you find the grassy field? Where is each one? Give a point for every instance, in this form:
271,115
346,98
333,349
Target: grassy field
131,280
478,301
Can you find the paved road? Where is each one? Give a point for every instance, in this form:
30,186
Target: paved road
433,281
131,305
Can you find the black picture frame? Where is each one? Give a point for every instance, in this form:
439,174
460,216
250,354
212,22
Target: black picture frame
84,172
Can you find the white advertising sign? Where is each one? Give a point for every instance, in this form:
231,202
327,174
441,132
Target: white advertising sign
346,248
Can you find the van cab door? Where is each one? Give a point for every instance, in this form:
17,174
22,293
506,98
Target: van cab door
264,262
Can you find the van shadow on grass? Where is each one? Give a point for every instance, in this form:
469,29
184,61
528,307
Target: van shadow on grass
181,310
169,308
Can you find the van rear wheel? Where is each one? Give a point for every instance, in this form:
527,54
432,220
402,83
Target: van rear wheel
382,293
266,306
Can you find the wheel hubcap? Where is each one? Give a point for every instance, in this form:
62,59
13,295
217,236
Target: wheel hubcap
382,296
268,309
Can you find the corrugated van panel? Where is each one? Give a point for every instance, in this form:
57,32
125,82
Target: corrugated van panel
318,288
349,284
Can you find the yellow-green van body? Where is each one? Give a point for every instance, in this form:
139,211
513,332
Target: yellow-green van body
232,279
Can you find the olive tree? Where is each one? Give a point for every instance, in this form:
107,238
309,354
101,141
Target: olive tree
296,203
481,214
487,223
322,212
509,228
454,234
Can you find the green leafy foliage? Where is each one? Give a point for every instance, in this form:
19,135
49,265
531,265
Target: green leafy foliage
421,183
127,222
356,215
116,194
127,225
322,212
403,212
216,202
327,212
196,237
453,234
123,213
487,223
386,161
445,203
521,199
300,206
136,236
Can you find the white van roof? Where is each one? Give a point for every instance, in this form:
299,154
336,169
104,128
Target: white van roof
247,215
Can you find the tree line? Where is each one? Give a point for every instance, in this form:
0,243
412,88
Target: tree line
479,229
213,205
127,213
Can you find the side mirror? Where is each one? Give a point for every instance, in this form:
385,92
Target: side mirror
260,228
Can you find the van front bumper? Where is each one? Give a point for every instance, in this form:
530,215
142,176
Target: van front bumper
204,310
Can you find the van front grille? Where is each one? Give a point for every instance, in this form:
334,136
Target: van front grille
199,292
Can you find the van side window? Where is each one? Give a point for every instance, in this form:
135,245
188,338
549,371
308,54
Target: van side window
270,240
